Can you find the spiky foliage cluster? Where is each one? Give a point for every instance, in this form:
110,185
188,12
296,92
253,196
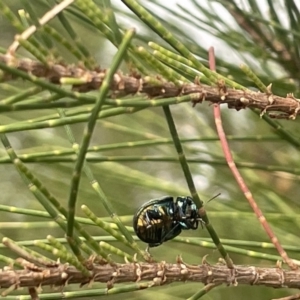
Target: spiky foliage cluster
97,118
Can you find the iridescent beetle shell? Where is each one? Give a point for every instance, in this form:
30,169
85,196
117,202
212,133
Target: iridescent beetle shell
162,219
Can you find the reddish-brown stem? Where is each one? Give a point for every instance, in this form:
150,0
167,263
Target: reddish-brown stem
219,245
240,180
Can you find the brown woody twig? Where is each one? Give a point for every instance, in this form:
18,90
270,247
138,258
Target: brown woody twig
159,273
281,107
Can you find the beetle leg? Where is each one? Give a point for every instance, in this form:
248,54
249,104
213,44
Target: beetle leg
152,214
147,220
169,232
147,249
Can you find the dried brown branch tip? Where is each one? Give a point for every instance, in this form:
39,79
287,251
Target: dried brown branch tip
58,274
273,105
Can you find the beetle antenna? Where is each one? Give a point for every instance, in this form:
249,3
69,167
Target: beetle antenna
214,197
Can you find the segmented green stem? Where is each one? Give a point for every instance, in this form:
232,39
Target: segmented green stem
106,203
181,156
90,128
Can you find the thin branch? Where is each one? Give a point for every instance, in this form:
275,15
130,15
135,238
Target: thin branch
239,179
160,273
228,260
281,107
45,19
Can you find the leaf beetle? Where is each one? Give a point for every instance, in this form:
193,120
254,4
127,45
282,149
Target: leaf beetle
162,219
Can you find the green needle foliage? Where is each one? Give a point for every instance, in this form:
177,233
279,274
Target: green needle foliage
100,112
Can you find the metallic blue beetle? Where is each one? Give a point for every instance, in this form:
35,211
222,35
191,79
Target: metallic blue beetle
162,219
